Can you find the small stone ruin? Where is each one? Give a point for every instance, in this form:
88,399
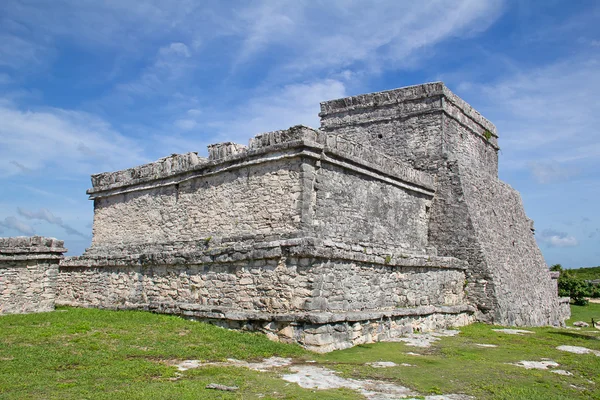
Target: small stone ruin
389,219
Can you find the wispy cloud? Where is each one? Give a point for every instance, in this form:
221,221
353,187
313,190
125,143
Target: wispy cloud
46,215
341,33
49,194
171,63
15,224
553,238
306,35
546,113
55,138
280,108
20,166
264,110
552,172
17,53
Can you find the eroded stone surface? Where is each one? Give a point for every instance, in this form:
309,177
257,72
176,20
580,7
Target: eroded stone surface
513,331
312,377
382,364
424,339
474,215
330,237
537,364
265,365
28,271
578,350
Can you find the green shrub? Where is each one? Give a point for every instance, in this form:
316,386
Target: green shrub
571,286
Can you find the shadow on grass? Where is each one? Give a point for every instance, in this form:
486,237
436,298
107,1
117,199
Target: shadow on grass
575,335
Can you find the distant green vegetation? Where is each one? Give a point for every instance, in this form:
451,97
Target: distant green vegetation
591,273
578,289
96,354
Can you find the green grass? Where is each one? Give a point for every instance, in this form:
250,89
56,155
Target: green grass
584,313
86,353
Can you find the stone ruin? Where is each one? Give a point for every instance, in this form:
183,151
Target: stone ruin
389,219
28,274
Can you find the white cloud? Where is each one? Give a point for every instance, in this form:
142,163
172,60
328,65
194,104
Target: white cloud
186,124
552,172
554,238
46,215
176,49
545,113
170,64
61,141
17,225
17,52
280,108
340,33
304,34
266,110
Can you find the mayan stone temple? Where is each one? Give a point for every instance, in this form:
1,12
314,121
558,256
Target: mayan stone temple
389,219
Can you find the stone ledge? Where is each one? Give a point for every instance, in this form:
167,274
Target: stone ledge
322,317
28,257
307,247
31,248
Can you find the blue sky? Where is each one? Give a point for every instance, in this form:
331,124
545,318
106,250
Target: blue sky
92,86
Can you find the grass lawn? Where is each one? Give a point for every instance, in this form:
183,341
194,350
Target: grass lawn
85,353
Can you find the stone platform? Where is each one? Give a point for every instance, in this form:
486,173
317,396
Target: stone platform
321,294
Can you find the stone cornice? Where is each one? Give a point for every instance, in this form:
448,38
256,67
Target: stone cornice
24,248
227,253
268,147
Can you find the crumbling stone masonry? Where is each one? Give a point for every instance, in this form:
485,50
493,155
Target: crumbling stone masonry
474,216
387,220
28,270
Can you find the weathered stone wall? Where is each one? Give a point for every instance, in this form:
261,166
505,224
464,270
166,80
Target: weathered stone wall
422,125
474,216
471,148
291,183
523,289
307,283
414,139
28,272
356,208
328,332
261,198
266,277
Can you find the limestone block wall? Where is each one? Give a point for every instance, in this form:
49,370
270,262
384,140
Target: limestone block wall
324,295
285,184
28,273
473,216
421,125
272,277
355,208
524,292
254,199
